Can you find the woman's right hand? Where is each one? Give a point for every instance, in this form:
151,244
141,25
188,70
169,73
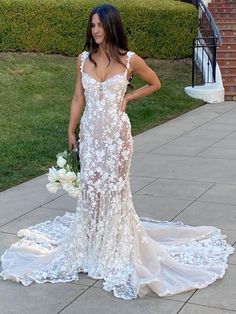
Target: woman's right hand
71,140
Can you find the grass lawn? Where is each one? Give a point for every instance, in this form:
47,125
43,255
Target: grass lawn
35,96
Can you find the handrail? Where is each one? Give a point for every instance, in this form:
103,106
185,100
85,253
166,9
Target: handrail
204,59
205,45
214,27
202,8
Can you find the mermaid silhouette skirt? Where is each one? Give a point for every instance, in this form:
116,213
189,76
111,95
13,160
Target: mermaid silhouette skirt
104,237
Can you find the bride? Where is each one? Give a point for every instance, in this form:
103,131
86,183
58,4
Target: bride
104,237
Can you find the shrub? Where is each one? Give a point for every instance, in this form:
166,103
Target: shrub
156,28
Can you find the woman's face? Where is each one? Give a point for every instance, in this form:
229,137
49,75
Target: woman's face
97,29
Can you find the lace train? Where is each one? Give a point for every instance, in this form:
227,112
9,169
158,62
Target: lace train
166,257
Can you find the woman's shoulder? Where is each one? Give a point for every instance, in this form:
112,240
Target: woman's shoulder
136,62
80,59
133,56
126,52
83,54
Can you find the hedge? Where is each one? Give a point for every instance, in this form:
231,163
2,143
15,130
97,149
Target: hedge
155,28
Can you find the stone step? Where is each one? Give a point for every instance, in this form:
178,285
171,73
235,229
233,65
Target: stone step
224,1
232,94
226,26
228,70
224,16
226,54
229,93
228,32
227,46
230,97
229,79
228,22
222,10
228,39
230,88
226,62
221,5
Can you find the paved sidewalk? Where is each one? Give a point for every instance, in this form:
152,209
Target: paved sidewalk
183,170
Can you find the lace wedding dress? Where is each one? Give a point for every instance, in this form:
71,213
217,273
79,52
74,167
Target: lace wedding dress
104,237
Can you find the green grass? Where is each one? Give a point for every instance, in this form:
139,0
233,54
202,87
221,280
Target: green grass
35,96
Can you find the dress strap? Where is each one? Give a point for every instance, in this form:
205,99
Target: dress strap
129,55
83,56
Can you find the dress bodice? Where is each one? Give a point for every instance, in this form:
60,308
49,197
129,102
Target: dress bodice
106,95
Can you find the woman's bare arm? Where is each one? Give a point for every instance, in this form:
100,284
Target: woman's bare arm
77,105
138,66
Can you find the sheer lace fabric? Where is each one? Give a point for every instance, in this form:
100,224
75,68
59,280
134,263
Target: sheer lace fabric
104,237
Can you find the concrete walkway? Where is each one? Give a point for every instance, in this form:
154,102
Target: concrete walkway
183,170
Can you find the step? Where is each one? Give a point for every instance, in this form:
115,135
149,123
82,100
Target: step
228,39
226,62
221,5
226,46
224,16
230,70
226,21
222,10
226,26
228,78
230,97
230,93
228,33
224,1
230,88
226,54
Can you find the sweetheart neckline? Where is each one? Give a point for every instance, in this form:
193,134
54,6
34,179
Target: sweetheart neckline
109,78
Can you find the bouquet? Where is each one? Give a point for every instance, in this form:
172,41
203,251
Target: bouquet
65,174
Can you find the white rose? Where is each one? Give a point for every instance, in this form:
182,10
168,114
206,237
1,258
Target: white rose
74,192
53,187
52,175
70,176
61,173
66,186
61,161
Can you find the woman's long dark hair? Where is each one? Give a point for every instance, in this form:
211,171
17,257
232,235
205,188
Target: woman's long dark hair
115,37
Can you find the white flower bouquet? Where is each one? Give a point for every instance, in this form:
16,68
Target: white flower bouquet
65,174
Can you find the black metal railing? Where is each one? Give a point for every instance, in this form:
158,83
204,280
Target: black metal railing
205,46
204,60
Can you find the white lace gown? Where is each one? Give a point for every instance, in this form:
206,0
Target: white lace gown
104,237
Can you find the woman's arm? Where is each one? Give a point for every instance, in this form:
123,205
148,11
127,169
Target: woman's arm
77,105
138,66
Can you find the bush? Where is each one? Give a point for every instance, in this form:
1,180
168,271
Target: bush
156,28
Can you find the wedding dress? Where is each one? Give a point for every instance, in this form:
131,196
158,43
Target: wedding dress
104,237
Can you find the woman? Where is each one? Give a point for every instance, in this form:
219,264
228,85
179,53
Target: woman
105,238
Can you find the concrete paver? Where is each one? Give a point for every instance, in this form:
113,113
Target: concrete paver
32,218
199,309
23,198
159,208
221,294
183,297
218,215
64,202
178,189
96,301
183,170
220,193
38,299
188,168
